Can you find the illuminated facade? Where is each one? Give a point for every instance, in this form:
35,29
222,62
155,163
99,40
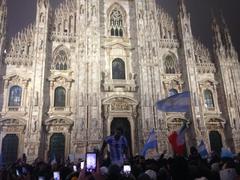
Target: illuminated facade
89,66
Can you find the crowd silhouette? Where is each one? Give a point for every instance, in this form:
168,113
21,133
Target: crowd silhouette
192,167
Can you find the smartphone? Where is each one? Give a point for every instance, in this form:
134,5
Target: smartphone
82,165
91,162
56,175
17,172
41,178
127,169
74,168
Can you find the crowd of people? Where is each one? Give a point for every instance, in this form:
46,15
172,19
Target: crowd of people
120,165
172,168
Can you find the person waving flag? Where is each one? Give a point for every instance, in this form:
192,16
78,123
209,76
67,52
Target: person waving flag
179,102
177,140
151,143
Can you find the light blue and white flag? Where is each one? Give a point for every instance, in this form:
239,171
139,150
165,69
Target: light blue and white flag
202,150
177,103
226,153
151,142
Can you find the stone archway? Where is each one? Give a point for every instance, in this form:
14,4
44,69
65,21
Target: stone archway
16,127
55,126
121,107
124,124
10,149
215,130
215,141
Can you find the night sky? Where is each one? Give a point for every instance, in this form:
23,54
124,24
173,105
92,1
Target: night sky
22,12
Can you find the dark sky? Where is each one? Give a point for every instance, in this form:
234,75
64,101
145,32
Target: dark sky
22,12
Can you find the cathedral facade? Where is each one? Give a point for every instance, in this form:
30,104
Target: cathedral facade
87,67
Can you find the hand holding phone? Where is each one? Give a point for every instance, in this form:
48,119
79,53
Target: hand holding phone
82,165
74,168
127,169
91,162
56,175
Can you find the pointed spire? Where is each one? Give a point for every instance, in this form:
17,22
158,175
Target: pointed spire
43,3
182,9
3,3
227,37
217,38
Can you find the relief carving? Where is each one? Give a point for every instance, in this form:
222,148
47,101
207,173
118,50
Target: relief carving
120,106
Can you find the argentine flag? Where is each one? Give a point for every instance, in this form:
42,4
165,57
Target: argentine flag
226,153
177,103
151,142
202,150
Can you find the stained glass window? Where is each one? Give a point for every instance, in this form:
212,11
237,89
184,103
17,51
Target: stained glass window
208,97
170,65
118,69
61,60
15,96
116,23
59,97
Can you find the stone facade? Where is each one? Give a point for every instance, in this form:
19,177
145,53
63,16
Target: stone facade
78,47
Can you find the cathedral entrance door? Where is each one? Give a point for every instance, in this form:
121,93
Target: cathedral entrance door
10,149
57,146
215,141
123,123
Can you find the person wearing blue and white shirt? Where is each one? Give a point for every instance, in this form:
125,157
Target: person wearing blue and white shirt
118,147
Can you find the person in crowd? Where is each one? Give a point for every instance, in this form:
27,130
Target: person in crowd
118,144
172,168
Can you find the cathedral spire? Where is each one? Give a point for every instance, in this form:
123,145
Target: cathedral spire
3,23
182,9
230,50
217,38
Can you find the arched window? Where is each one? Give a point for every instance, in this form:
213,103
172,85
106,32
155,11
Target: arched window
172,92
15,96
170,65
59,97
60,61
116,23
118,69
208,99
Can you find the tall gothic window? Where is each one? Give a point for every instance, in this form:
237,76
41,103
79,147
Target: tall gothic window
118,69
15,96
172,92
59,97
170,65
60,59
116,23
208,99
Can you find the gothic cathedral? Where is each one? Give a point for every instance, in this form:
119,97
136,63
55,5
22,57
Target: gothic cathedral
81,70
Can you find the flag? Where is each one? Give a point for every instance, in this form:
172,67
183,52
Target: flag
151,142
202,150
177,103
226,153
177,140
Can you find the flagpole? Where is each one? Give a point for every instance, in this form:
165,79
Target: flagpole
87,113
153,108
153,104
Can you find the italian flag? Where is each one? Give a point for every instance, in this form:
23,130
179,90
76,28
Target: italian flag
177,140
